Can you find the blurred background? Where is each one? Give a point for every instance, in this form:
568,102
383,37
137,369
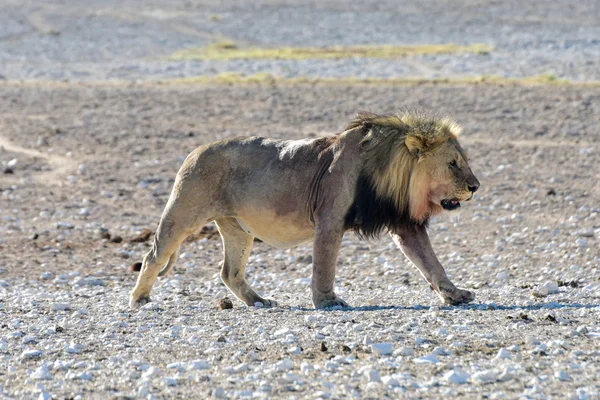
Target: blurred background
153,40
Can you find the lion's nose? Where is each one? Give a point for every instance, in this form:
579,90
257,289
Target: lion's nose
473,188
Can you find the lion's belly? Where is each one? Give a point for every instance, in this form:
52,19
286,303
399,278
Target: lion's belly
282,232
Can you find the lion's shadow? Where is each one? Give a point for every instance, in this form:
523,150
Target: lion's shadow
486,307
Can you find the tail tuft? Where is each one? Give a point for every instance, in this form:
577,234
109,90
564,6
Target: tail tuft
136,267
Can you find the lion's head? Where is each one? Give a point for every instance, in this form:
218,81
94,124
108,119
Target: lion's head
413,168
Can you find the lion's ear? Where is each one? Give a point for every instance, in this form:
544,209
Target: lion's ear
417,145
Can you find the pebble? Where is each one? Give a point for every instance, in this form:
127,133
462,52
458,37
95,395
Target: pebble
198,365
456,376
405,351
486,376
382,349
390,381
31,353
372,375
60,306
284,365
502,354
42,373
562,375
428,359
74,348
546,289
225,304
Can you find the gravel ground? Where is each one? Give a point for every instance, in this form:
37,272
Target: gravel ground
88,160
94,166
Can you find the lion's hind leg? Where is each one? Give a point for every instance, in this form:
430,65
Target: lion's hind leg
237,245
161,258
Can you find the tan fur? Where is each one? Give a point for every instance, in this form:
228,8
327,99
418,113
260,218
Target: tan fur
291,192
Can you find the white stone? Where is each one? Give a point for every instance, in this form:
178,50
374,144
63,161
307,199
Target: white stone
390,381
382,349
306,367
180,366
486,376
428,359
284,365
241,368
502,275
372,375
502,354
45,396
170,381
439,351
562,375
405,351
456,376
549,287
60,306
31,353
74,348
42,373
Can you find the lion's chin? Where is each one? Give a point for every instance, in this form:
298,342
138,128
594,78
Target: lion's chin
450,204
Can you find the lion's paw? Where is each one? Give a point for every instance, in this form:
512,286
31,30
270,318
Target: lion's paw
456,296
267,303
138,301
336,302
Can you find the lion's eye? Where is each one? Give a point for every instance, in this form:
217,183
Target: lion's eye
453,164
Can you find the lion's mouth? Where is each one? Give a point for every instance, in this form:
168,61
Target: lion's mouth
451,204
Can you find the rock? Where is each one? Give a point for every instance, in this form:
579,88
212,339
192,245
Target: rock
486,376
389,381
144,235
456,376
116,239
382,349
60,306
545,289
31,354
284,365
428,359
170,381
45,396
225,304
74,348
502,354
371,374
198,365
42,373
562,375
405,351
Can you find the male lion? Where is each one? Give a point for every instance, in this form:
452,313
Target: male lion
384,172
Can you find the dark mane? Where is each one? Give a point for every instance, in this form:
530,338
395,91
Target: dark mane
370,214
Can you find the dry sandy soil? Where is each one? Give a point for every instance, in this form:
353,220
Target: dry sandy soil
91,140
97,159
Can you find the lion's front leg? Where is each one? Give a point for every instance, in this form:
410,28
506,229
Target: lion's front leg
414,243
325,251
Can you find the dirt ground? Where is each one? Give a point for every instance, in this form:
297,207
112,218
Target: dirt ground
96,117
99,160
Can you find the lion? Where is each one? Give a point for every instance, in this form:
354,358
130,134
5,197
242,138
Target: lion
382,173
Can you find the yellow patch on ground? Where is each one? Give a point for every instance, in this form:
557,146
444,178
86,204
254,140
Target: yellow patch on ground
229,50
263,78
